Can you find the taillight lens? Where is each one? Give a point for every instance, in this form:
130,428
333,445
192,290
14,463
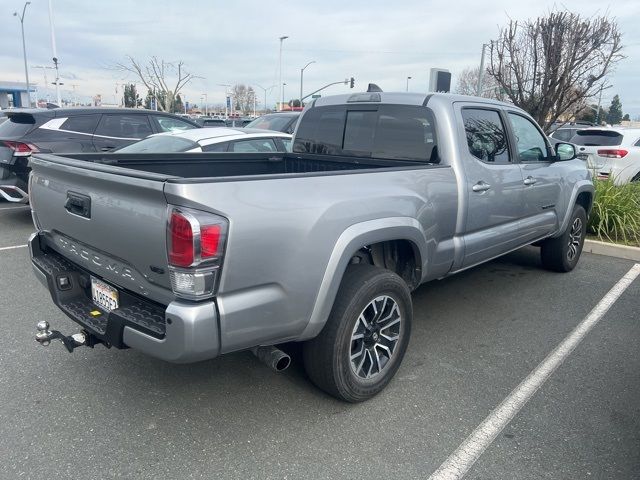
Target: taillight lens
21,149
181,248
195,246
612,153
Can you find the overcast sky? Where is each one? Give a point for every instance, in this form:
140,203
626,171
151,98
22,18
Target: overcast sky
237,42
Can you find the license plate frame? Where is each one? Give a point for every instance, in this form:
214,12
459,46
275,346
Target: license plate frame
104,295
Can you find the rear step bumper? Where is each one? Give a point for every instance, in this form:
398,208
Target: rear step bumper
182,332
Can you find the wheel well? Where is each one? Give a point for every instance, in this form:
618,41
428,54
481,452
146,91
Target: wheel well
585,199
399,256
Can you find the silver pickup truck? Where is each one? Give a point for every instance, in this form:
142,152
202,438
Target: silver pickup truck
189,256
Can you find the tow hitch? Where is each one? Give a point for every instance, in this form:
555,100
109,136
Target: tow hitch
80,339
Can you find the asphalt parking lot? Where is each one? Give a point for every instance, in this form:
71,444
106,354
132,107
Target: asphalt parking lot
118,414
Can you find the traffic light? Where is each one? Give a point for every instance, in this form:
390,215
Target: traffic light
351,82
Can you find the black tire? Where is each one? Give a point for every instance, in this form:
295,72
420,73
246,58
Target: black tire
561,254
327,358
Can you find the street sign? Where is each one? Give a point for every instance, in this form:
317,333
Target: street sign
439,80
316,96
229,103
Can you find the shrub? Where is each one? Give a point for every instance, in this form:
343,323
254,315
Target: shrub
616,212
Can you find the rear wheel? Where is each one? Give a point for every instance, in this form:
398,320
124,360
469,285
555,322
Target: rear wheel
366,336
561,254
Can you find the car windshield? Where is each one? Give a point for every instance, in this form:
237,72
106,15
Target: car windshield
597,138
160,144
271,122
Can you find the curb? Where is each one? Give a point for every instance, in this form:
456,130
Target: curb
612,250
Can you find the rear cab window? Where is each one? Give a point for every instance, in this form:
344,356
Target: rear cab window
404,132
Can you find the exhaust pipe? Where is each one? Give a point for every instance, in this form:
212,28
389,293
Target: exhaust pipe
272,357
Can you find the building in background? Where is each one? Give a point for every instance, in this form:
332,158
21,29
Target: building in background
14,94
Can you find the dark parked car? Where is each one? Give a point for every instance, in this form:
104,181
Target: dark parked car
71,130
210,122
281,122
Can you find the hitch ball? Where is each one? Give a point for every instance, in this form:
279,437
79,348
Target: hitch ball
43,335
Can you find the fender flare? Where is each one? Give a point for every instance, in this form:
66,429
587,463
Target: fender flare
580,187
350,241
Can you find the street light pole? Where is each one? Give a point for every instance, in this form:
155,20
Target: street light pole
302,78
408,78
282,39
206,101
480,73
24,50
55,54
265,94
226,96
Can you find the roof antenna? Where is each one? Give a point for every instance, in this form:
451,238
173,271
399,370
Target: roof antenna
373,88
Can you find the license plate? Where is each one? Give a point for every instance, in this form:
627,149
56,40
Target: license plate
103,295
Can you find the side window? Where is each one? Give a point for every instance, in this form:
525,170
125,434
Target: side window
637,144
486,136
287,142
169,124
405,132
253,146
81,123
216,147
531,144
124,126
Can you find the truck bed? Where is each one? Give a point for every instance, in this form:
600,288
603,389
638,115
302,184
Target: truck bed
215,165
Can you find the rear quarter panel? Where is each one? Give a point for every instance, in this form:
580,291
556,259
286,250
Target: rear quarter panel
283,233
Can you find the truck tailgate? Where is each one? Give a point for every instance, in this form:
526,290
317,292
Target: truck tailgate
109,221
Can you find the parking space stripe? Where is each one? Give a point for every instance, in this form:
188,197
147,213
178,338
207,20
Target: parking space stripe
460,461
12,248
21,207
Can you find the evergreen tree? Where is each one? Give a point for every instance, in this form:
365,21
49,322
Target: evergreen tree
615,111
626,118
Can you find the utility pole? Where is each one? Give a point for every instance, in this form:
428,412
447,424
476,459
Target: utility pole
599,103
24,50
302,78
480,73
226,98
282,39
55,54
75,98
408,78
206,110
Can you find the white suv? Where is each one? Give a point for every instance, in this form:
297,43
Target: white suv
611,152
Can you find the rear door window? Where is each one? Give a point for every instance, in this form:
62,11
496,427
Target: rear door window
124,126
564,134
486,135
81,123
160,144
597,138
216,147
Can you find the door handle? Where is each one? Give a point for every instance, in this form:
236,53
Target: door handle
530,180
78,204
481,187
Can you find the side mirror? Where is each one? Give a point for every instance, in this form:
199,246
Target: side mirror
565,151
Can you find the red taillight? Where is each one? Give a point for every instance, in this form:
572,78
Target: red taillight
181,249
21,149
612,153
209,240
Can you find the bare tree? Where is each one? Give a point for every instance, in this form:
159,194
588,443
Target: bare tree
467,84
243,98
156,75
551,65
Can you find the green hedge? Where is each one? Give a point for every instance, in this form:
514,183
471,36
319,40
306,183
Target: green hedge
616,212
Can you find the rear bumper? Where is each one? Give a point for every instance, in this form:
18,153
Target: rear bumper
181,332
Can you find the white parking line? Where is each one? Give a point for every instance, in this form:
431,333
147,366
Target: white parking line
12,248
460,461
21,207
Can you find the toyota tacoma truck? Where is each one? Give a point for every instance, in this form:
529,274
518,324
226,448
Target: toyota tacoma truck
189,256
